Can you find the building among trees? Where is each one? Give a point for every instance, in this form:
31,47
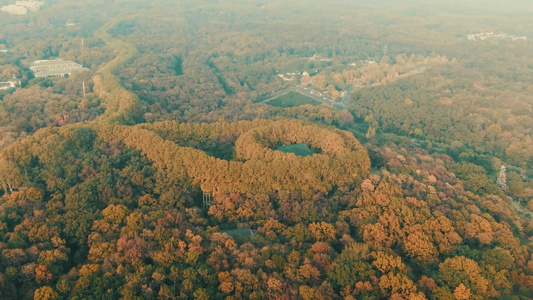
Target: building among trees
22,7
14,10
54,68
6,85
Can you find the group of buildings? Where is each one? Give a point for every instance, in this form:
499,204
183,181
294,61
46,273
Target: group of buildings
290,76
494,37
46,68
40,68
22,7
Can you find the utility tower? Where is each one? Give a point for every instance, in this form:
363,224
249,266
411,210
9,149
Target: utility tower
206,200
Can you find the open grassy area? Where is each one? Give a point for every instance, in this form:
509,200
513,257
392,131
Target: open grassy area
298,149
292,99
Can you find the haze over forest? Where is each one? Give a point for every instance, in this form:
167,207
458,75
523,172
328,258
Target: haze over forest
266,149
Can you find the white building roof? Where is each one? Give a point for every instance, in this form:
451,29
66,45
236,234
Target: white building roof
55,67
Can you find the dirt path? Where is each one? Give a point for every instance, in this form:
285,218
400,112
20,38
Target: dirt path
120,104
521,209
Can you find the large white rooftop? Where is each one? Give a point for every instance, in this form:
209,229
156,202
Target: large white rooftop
55,67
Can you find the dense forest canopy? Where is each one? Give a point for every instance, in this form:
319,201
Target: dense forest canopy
268,149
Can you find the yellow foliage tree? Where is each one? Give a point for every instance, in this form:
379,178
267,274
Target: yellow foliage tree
322,231
45,293
462,292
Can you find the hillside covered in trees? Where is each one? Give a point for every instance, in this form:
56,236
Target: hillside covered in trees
170,178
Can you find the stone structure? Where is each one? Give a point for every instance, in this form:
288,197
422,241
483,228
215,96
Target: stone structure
502,178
